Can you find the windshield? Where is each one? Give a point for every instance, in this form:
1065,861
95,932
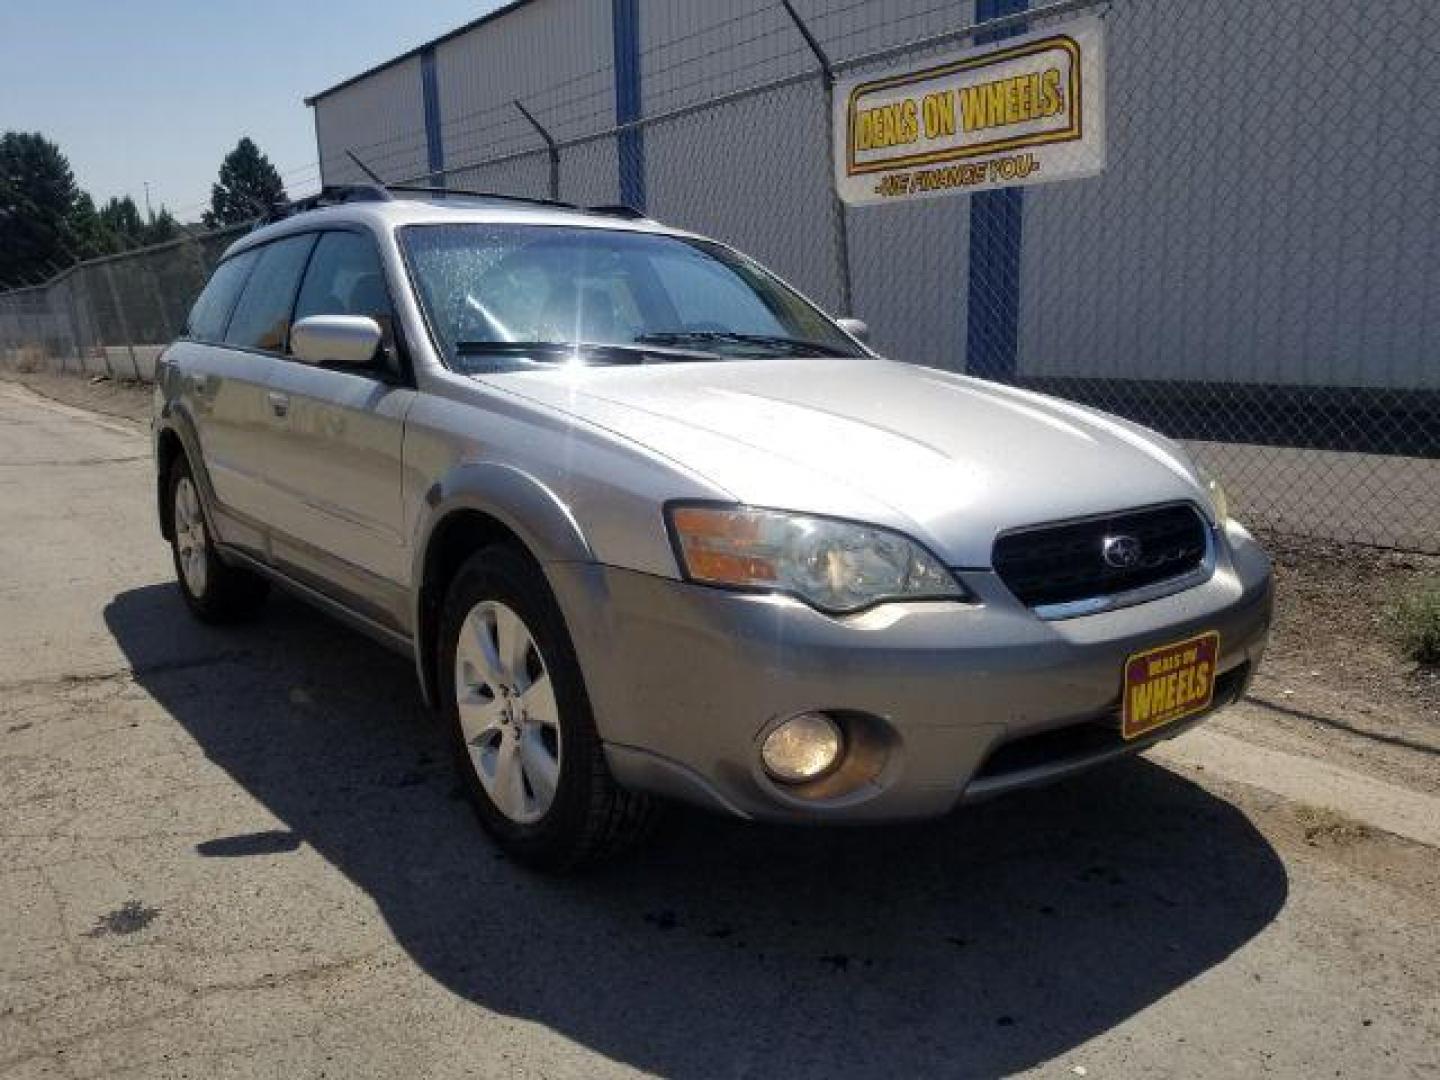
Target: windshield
500,297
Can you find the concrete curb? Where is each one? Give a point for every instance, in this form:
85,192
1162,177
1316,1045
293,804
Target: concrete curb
1413,815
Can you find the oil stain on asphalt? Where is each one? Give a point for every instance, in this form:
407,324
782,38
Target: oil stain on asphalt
129,918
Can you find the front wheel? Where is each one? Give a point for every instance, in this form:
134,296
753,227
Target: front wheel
214,591
520,721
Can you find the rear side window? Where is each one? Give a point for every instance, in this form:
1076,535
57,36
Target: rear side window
262,317
345,278
212,310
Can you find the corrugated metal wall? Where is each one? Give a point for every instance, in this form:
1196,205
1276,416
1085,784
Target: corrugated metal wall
1259,220
850,28
553,55
757,177
696,50
381,118
1246,141
703,170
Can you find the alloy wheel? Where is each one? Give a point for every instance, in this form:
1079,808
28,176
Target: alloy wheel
190,537
508,712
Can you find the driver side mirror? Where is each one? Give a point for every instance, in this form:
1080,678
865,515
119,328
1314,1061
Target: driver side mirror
345,340
856,328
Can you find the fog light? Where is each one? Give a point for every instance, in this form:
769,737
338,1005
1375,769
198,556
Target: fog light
805,747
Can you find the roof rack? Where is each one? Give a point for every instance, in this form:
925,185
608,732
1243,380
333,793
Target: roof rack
340,194
618,210
331,195
426,189
615,210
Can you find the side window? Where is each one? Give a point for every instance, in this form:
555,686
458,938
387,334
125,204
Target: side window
216,301
345,278
262,317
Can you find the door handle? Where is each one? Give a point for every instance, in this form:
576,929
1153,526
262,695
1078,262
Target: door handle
279,403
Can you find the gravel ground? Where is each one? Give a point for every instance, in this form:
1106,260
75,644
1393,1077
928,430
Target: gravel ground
125,399
1334,684
241,853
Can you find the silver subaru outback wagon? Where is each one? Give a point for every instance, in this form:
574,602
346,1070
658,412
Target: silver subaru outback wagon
652,526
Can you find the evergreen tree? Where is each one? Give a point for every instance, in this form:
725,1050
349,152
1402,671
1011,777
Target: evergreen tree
121,218
249,185
38,196
161,228
47,222
91,238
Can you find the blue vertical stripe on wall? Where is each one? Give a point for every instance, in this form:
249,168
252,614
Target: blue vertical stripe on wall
992,331
626,15
430,93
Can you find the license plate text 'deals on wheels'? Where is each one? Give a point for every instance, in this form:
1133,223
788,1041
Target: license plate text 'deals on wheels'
1168,683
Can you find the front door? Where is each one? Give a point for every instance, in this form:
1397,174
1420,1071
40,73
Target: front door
336,463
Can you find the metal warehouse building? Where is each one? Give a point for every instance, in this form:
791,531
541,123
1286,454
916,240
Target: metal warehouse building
1263,237
1239,244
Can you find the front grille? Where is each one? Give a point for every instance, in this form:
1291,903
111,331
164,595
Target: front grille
1059,564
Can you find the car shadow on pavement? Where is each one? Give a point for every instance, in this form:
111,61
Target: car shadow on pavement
999,938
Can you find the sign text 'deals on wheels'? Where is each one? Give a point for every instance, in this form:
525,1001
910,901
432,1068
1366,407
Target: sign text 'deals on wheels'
1026,110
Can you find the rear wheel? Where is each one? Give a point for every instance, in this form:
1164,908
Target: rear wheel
520,721
214,591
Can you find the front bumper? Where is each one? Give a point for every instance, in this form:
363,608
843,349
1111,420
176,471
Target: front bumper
975,699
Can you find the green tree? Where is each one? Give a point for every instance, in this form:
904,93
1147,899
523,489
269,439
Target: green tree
161,228
117,226
37,198
121,218
249,185
91,239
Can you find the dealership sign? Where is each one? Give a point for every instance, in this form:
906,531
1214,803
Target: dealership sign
1025,110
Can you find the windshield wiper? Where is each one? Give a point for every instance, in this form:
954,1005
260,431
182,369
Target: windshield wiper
559,352
548,351
795,346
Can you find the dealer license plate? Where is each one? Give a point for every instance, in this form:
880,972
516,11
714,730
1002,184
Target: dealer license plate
1168,683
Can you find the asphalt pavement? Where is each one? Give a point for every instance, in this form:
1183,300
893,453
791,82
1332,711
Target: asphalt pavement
242,853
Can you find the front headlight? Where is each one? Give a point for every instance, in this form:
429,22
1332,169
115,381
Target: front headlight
1218,499
836,566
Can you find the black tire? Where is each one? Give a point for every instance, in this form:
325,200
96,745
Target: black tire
591,818
228,594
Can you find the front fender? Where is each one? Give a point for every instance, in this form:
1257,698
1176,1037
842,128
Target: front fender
522,504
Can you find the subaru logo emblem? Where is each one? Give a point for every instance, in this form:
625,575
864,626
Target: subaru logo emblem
1121,552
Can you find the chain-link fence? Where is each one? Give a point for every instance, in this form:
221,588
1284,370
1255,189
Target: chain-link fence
110,316
1255,271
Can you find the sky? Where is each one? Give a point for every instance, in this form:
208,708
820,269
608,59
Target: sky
158,91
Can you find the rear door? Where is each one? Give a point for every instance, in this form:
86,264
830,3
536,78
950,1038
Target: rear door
221,394
337,458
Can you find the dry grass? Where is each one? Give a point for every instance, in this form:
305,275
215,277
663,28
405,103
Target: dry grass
1415,622
1323,827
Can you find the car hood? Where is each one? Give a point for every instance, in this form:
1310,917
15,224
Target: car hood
949,459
